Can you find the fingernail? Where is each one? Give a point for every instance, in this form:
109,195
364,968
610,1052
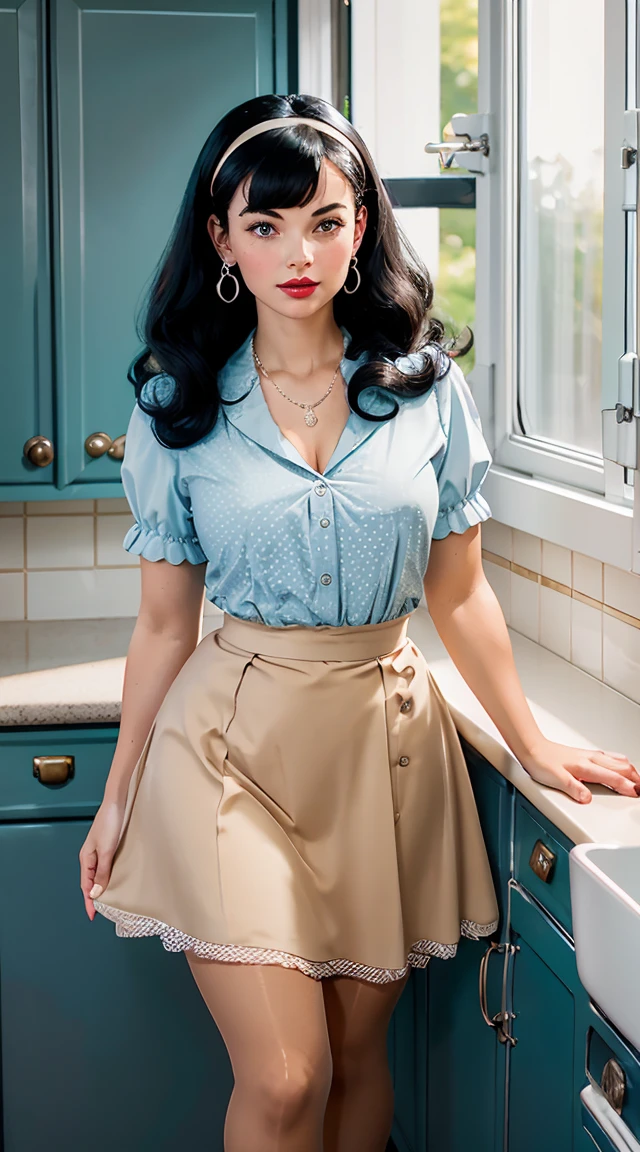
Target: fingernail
95,891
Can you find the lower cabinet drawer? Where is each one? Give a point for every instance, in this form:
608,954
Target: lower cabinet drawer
541,862
613,1065
55,772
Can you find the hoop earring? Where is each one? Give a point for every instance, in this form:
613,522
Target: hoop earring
229,275
350,291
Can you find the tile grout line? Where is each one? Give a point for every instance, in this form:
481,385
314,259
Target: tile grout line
563,589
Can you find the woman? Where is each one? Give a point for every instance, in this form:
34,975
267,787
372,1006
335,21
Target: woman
288,803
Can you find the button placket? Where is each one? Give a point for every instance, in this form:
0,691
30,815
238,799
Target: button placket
325,550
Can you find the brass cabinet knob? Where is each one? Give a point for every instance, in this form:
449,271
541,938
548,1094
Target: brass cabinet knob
116,450
97,444
613,1083
101,444
53,769
542,861
38,450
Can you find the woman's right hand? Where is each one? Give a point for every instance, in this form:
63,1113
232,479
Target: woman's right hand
97,852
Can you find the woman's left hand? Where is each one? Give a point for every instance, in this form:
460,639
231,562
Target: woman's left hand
563,767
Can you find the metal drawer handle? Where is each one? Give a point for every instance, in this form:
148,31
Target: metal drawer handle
542,861
53,769
614,1083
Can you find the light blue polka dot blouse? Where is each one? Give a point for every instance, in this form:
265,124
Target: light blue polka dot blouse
285,544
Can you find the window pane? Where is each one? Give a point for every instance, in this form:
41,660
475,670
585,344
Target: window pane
455,278
561,220
399,107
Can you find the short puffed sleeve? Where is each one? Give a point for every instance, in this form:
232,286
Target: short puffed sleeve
158,497
463,462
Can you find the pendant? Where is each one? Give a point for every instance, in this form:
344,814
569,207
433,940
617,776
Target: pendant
310,418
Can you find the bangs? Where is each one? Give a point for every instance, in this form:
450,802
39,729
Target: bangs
285,170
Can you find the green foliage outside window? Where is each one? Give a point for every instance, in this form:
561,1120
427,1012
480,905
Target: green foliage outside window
454,301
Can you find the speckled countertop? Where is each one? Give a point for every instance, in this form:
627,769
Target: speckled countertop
72,671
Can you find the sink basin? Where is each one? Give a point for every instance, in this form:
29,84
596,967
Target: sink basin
605,909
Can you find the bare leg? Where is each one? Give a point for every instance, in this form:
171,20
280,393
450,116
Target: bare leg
272,1020
359,1110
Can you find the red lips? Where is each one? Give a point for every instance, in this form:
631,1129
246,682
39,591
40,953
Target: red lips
304,283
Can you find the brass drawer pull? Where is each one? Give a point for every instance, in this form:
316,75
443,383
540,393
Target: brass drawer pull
613,1083
53,769
542,861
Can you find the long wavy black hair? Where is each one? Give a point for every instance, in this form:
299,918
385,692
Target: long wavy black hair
189,333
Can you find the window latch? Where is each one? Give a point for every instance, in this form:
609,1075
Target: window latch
467,137
629,158
620,437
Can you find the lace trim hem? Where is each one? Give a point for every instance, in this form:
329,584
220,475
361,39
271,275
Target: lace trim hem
130,924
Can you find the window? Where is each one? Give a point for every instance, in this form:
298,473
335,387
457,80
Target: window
528,227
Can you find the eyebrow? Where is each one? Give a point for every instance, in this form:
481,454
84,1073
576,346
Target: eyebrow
271,212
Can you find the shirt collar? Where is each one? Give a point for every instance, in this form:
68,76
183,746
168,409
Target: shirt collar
239,380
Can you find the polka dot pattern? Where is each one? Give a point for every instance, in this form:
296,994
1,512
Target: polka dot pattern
271,529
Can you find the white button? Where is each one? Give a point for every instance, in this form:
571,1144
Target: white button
324,523
325,578
320,489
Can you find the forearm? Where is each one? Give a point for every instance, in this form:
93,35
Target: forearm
475,635
153,662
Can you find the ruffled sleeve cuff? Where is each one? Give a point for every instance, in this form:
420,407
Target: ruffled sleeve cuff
141,540
458,517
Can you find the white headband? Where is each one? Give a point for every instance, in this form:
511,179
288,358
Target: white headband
286,122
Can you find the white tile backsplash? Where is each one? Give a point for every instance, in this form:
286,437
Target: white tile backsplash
111,531
622,590
57,507
60,542
586,638
81,594
556,563
555,621
527,550
12,595
497,538
621,656
587,576
524,606
86,574
12,542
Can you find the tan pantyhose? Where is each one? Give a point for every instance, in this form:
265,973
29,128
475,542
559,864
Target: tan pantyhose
309,1057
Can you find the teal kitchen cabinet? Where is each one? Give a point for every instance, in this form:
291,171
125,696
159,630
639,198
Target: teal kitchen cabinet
104,114
549,1006
106,1042
448,1064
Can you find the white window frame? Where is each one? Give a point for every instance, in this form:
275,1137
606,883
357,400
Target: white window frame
567,497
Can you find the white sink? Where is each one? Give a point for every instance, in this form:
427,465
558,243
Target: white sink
605,908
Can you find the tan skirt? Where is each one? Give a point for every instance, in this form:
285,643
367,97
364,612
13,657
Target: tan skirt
302,799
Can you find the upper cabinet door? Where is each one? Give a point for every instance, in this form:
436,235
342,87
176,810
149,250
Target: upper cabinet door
137,88
25,380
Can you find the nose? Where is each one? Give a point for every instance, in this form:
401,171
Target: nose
300,255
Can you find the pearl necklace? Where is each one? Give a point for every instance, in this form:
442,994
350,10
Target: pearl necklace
310,417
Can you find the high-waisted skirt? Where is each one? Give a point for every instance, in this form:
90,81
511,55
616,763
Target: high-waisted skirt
302,799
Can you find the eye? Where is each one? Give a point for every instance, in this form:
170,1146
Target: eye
260,224
339,223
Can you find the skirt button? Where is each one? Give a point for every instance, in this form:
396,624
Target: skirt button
396,817
404,760
405,706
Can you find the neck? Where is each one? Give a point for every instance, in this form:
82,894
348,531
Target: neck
298,347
